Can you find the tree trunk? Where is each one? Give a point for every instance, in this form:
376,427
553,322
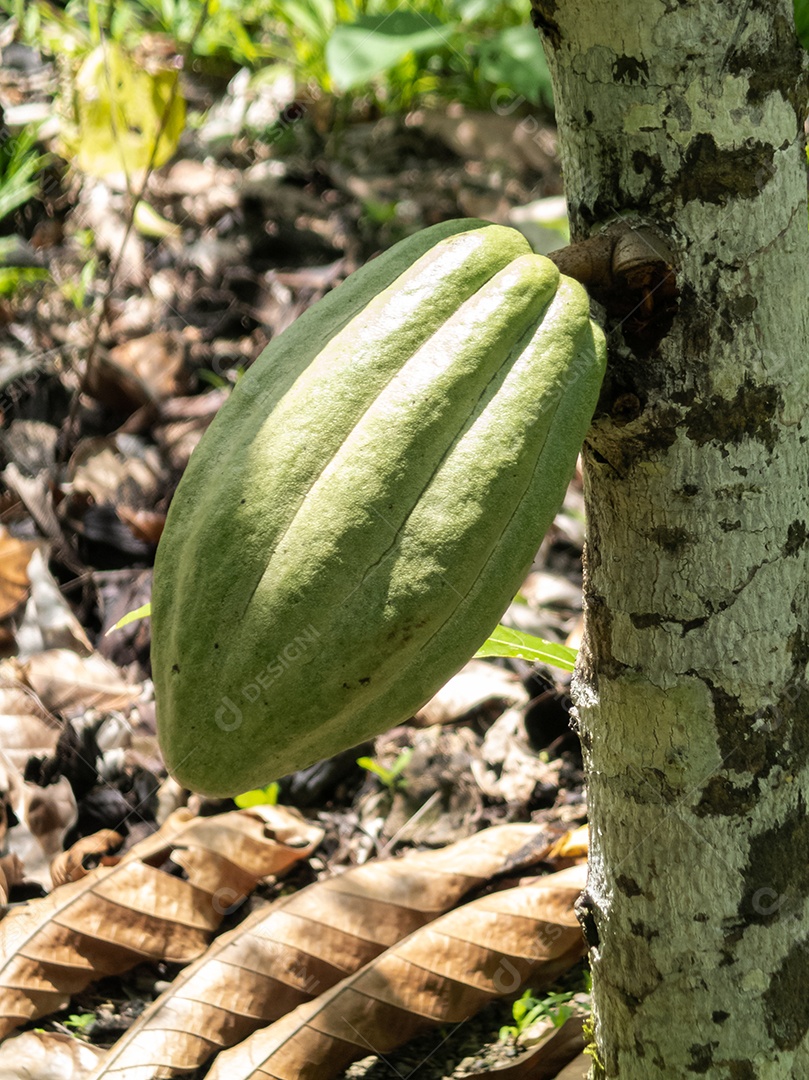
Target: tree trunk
691,694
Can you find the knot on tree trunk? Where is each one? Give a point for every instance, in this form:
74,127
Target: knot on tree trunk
629,269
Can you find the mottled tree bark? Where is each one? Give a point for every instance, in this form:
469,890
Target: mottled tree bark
692,696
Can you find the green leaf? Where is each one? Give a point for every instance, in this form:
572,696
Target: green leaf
401,762
378,770
356,52
131,616
802,21
267,796
515,58
507,642
310,17
20,162
13,278
79,1021
469,10
392,778
149,223
119,114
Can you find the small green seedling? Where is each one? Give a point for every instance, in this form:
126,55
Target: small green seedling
591,1049
392,778
77,291
80,1022
219,381
530,1008
142,612
267,796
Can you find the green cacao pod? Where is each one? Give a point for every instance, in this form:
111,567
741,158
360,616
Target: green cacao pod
365,505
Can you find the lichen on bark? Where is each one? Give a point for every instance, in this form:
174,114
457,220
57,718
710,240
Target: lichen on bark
692,700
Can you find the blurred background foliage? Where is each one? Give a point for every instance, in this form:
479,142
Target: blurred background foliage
370,57
388,55
122,108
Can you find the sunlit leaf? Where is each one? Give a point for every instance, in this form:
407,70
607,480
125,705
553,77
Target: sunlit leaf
119,112
149,223
515,58
356,52
267,796
131,616
507,642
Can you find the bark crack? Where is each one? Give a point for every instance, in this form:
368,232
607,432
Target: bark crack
651,619
775,240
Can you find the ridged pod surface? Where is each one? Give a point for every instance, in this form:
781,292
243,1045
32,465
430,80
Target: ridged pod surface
367,502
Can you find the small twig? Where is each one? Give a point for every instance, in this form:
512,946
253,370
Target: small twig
67,433
411,821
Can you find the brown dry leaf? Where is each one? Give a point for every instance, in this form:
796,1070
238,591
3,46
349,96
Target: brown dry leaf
6,640
36,496
12,873
183,422
242,847
544,1060
579,1069
187,180
117,469
26,728
11,782
139,314
508,767
65,682
476,684
201,408
85,855
46,1055
573,845
284,955
441,974
118,916
483,136
146,525
576,635
140,370
49,622
542,589
44,815
14,558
